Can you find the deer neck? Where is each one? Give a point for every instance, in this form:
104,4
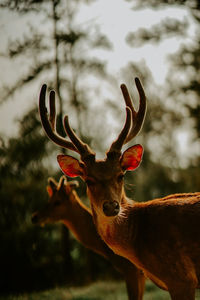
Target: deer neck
80,222
117,232
77,217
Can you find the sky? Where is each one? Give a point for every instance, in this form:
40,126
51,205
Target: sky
116,19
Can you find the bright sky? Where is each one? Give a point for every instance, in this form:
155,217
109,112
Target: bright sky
116,20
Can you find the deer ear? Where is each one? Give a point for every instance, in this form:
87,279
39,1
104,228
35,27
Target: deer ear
131,158
69,165
49,191
52,186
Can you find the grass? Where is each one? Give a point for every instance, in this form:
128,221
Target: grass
97,291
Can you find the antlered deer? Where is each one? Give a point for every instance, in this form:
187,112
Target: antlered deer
159,237
64,205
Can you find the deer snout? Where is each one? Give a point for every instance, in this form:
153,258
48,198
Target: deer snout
34,218
111,208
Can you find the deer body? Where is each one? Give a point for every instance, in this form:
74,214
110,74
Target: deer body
161,236
64,205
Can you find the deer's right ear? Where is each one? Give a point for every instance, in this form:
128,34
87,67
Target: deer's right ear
69,165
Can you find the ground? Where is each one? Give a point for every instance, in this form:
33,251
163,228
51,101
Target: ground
96,291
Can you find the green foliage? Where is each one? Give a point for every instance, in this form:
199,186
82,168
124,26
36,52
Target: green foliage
165,29
34,257
193,5
23,181
99,290
109,290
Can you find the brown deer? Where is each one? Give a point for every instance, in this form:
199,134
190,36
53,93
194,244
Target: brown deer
64,205
159,237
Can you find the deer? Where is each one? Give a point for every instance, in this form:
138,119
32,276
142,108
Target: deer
64,205
159,236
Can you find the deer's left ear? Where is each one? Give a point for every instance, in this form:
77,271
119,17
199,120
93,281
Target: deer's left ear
69,165
49,190
131,158
51,187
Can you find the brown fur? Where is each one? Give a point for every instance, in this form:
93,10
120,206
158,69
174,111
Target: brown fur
78,218
161,237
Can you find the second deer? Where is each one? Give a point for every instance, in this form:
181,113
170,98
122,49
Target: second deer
65,206
159,237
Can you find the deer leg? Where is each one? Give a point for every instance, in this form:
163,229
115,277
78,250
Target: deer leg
135,284
185,293
183,281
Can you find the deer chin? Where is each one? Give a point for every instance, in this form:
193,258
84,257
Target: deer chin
42,223
37,220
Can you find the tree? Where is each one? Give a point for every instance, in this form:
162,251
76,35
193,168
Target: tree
182,88
22,182
60,50
181,94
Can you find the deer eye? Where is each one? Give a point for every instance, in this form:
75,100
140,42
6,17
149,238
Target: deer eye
89,182
120,177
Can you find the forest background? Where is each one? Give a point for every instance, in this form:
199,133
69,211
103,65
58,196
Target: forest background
52,42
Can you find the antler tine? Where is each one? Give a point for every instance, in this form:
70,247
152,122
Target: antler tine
117,145
52,109
49,123
84,150
137,117
128,100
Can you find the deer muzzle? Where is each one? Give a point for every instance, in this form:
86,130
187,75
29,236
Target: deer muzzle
111,208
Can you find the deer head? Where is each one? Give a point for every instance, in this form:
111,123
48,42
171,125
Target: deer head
104,178
61,196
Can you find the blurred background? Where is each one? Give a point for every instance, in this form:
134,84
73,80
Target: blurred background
84,50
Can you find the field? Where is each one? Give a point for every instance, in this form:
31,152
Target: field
96,291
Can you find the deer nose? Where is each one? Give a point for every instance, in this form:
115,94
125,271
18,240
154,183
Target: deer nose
34,218
111,209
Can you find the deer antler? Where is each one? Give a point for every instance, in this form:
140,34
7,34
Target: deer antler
136,120
118,143
84,150
133,123
49,125
137,117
